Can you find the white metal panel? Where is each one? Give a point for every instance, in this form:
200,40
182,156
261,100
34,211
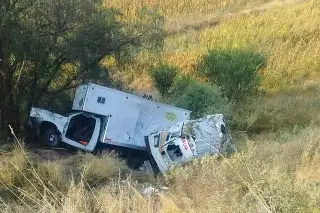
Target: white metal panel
98,101
104,128
101,100
123,121
45,115
91,93
80,97
155,116
123,109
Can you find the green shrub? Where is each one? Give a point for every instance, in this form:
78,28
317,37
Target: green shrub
180,85
201,99
235,71
163,78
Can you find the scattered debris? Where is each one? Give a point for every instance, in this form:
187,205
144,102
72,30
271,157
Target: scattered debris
151,190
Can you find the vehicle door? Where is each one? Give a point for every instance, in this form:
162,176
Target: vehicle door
87,126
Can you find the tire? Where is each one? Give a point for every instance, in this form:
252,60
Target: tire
51,138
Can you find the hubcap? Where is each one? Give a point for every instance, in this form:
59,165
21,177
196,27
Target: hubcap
54,139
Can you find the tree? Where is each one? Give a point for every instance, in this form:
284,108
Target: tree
42,41
235,71
163,78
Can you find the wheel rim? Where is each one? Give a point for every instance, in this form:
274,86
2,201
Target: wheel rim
54,139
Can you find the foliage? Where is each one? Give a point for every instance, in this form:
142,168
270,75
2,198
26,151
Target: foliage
180,85
201,98
48,47
235,71
163,77
276,171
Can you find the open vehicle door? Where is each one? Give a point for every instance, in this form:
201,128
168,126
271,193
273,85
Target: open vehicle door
82,131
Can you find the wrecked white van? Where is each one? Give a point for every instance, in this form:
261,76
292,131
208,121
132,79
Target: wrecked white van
144,129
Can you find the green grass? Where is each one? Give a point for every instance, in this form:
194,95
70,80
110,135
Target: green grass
284,110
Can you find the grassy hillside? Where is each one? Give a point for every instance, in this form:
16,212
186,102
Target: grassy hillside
276,169
288,35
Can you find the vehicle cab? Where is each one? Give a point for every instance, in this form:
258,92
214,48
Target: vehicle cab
170,150
79,129
187,140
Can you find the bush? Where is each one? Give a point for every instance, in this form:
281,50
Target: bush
200,98
180,85
163,78
235,71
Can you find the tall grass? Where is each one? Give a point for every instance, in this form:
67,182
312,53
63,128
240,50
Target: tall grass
269,165
287,109
174,8
276,172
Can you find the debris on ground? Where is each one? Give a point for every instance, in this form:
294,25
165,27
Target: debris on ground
152,190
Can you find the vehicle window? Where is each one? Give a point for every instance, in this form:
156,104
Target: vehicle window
156,140
168,137
174,152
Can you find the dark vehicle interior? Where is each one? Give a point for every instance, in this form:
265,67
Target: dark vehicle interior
81,128
174,152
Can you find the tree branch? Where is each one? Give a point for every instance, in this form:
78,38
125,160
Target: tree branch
128,41
69,83
55,67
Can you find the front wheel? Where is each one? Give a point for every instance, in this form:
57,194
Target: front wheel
51,138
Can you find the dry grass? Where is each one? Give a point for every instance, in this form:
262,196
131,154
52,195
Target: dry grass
95,184
289,36
108,167
270,167
174,8
274,173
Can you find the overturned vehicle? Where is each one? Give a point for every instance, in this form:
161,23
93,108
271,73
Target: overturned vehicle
148,133
187,140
